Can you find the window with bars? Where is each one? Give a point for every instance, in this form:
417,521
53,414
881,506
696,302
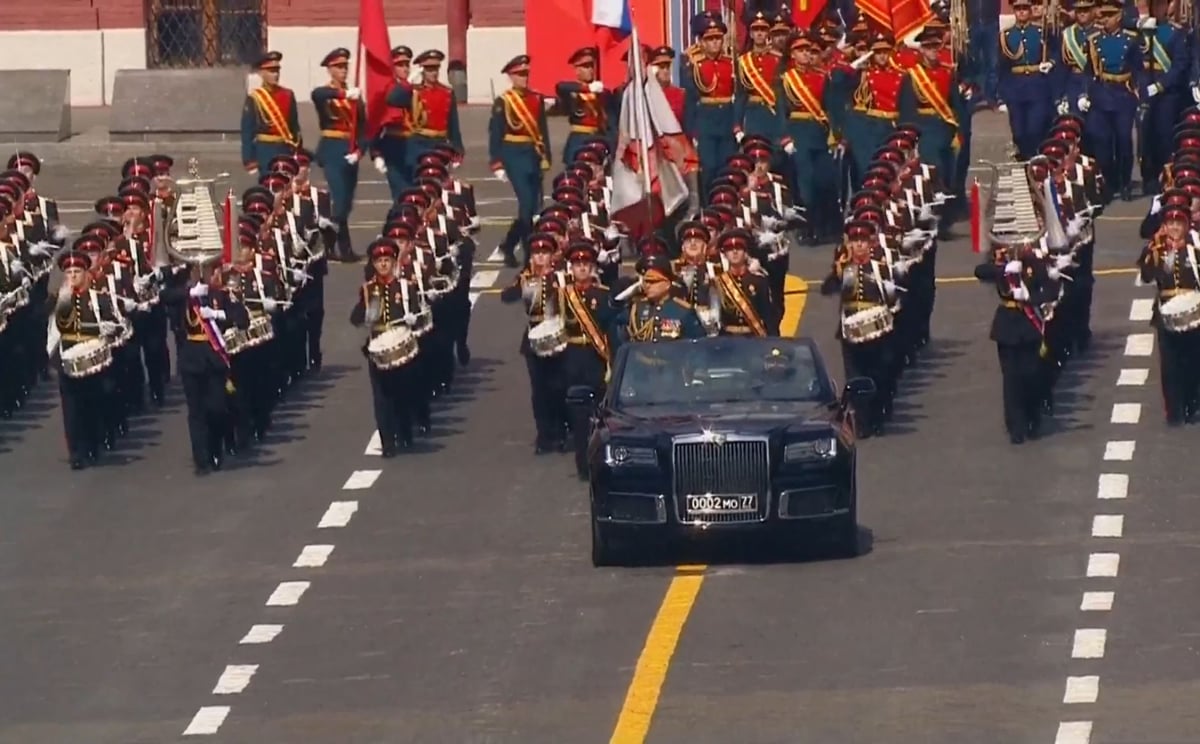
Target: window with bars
204,33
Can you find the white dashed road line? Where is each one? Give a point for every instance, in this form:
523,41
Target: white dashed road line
236,677
1090,644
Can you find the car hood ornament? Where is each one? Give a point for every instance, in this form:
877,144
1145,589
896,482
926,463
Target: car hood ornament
708,436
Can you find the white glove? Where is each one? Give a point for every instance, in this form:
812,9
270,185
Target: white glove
608,255
1045,67
1019,293
200,290
756,267
1062,262
1012,267
108,328
352,158
326,224
1084,103
270,306
1074,226
41,249
1196,93
1156,204
889,287
790,148
353,94
26,282
127,304
299,276
1153,89
858,63
739,136
500,175
380,165
549,101
253,172
143,306
209,313
1064,108
771,223
900,268
16,267
596,86
1149,22
696,141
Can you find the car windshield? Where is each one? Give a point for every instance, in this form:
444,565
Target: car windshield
721,370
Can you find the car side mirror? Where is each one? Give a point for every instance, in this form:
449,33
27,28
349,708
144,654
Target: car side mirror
859,388
580,395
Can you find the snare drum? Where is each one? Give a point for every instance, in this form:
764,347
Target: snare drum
235,341
548,338
124,334
393,348
867,325
422,323
261,331
710,319
1181,313
87,358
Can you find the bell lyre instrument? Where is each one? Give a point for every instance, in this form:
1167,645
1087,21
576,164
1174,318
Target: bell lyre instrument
188,230
1010,210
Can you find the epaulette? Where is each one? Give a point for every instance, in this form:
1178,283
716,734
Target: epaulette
682,303
1130,33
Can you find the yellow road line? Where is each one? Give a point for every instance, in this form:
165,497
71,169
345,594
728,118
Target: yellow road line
641,699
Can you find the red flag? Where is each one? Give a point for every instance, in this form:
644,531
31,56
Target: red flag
375,54
227,233
806,12
900,18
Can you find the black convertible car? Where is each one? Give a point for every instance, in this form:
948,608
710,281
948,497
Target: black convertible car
721,434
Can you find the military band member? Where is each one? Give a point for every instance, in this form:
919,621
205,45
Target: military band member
519,151
432,110
1027,58
387,301
693,272
709,85
1018,328
343,122
746,305
83,314
270,122
754,100
1169,261
587,318
589,107
389,150
539,287
863,283
1118,81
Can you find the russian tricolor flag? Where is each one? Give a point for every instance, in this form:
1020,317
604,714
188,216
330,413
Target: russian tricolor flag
613,20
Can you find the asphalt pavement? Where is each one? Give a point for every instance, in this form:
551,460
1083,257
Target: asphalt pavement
316,593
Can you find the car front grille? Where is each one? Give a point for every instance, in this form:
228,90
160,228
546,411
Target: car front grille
722,477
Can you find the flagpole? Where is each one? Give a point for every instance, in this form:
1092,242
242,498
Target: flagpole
641,114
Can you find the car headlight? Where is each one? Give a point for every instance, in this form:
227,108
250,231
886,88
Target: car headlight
825,448
619,455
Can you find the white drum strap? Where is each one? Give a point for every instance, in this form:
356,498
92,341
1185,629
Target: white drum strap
919,182
134,250
753,208
403,296
441,222
586,224
295,204
778,189
878,280
94,301
1191,249
112,292
258,278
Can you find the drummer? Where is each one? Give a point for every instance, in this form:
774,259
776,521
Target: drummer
586,359
1165,262
865,288
537,286
83,317
381,307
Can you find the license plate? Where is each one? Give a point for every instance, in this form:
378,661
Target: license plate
728,504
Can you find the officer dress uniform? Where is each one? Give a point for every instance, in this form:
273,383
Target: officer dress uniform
873,95
932,100
82,314
709,89
588,314
203,313
1073,71
432,112
646,320
1172,266
1118,79
542,296
343,122
270,122
1167,58
519,150
1025,81
397,126
589,107
383,303
1018,330
808,122
755,99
